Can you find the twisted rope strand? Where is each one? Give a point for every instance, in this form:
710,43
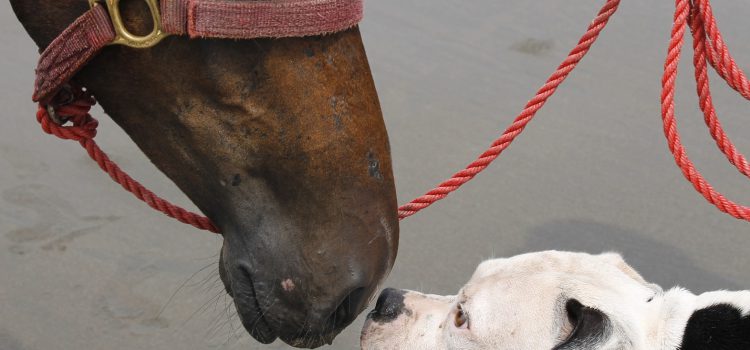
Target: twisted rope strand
682,12
719,56
523,119
697,27
83,130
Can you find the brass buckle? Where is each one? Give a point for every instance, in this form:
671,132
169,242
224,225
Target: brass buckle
125,37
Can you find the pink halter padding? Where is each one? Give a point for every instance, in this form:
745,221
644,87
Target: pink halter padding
255,19
71,50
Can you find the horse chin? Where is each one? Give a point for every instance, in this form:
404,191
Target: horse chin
263,329
267,316
252,315
260,329
255,324
248,308
311,342
258,326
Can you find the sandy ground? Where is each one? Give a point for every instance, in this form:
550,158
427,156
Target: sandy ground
84,266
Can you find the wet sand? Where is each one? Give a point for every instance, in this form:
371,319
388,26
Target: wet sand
84,266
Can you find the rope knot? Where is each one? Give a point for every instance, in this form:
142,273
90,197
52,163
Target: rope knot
72,105
69,105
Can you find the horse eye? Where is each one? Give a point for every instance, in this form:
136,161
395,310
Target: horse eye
460,319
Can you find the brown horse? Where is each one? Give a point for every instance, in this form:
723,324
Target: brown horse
280,142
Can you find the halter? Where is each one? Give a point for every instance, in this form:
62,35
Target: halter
103,25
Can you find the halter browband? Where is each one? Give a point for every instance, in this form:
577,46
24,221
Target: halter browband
103,25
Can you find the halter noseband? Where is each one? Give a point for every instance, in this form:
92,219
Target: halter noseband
103,25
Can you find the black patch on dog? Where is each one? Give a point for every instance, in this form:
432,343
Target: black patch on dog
591,327
717,327
389,306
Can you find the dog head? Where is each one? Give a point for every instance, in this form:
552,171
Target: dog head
546,300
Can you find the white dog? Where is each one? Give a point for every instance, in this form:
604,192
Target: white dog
559,301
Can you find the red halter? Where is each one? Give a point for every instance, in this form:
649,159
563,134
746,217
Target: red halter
103,25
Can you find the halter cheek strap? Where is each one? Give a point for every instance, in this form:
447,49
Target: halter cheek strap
91,32
71,50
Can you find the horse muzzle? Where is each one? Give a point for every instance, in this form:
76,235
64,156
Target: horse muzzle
303,310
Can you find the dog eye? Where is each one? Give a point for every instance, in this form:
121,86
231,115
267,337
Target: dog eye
460,319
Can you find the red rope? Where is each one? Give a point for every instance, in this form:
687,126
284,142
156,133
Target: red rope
83,130
701,22
719,55
709,48
523,119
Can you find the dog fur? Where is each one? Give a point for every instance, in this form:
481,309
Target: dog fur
559,301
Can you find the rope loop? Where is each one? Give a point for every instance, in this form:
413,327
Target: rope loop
72,106
75,109
708,46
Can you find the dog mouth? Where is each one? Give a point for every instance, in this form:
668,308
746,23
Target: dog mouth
370,332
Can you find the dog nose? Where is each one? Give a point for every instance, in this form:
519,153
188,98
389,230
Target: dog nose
390,304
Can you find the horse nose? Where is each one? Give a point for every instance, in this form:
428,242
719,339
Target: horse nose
348,309
390,304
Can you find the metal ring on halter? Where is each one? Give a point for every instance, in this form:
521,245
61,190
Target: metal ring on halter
123,36
64,97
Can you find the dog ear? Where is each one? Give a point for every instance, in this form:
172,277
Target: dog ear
720,326
591,327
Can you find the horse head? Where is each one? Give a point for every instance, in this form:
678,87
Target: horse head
280,142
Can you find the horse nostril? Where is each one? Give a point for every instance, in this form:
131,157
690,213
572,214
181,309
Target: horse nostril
348,309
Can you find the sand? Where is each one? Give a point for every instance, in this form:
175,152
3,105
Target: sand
84,266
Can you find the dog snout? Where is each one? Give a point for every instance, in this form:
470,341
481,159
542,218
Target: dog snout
389,306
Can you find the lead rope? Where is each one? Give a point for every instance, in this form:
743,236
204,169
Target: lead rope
702,21
523,119
702,24
83,130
